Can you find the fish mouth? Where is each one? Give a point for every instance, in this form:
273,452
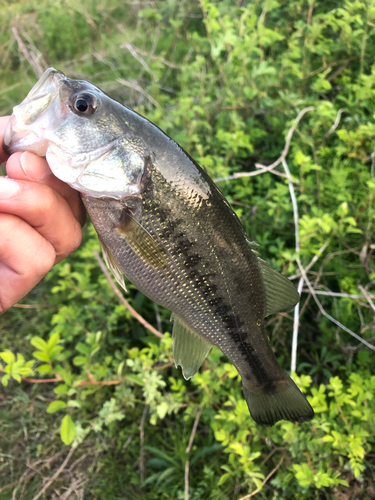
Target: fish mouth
49,75
27,125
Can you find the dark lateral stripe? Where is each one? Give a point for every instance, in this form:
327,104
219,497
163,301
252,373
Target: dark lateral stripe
183,249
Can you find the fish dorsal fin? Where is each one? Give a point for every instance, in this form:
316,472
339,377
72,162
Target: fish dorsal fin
252,245
141,241
112,265
281,295
189,348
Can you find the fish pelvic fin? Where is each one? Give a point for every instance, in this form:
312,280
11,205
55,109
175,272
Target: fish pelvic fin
112,265
189,348
281,400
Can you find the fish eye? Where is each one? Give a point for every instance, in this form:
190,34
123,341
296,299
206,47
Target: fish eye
85,104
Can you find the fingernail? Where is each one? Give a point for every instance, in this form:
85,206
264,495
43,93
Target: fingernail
8,188
34,167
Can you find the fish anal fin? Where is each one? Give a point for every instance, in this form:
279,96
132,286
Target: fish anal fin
141,241
282,400
112,265
189,348
281,295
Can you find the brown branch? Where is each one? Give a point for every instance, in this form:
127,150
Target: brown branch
310,14
142,444
187,451
59,379
41,381
33,306
194,430
98,382
187,467
265,480
124,301
337,73
330,65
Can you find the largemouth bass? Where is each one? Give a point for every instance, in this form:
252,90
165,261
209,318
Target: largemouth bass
164,224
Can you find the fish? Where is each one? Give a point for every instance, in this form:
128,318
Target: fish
164,225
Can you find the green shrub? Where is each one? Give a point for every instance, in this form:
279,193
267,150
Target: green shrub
227,81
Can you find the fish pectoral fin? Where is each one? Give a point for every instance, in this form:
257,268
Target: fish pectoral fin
141,241
281,401
189,348
112,265
281,295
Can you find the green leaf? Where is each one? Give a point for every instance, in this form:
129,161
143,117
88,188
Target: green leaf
61,389
54,351
5,380
39,344
53,340
135,378
55,406
79,360
42,356
7,356
44,369
74,403
67,430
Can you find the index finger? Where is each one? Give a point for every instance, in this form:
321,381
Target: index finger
3,123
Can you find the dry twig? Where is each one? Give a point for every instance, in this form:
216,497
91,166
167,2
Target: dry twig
138,88
265,480
270,168
33,57
75,485
368,297
152,56
140,59
124,301
322,310
142,445
187,451
338,294
313,260
56,474
293,365
10,485
335,125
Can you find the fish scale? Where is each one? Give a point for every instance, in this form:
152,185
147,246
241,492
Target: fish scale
164,224
188,301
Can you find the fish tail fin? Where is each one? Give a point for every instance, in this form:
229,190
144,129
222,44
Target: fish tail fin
281,400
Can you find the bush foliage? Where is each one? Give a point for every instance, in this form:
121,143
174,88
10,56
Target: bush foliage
226,80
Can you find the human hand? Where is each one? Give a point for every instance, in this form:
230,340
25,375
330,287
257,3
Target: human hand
40,222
